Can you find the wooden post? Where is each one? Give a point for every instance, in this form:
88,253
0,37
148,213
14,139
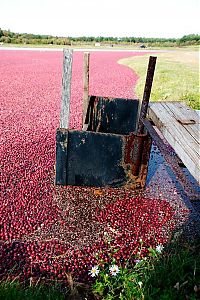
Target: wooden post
86,66
66,88
147,92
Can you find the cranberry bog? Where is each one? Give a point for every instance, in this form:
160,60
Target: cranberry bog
47,231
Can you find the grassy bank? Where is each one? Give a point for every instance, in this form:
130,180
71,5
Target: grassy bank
176,76
169,274
131,47
14,291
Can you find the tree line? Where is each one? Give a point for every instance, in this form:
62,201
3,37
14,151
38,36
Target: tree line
6,36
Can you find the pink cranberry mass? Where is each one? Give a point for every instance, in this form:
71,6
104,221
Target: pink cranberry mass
46,230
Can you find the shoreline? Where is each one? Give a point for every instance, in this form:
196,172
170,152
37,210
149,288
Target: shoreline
79,49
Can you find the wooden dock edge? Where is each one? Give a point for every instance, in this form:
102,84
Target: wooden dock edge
179,125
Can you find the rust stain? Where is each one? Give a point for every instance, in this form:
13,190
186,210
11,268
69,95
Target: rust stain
136,160
186,121
97,192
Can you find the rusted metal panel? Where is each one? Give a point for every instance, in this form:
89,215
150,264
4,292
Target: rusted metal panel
112,115
145,160
137,154
107,153
135,151
100,159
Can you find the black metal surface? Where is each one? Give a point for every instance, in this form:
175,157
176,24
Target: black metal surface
106,152
61,156
173,161
95,159
112,115
147,92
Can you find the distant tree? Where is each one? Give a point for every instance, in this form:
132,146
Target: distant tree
11,37
1,33
190,37
5,39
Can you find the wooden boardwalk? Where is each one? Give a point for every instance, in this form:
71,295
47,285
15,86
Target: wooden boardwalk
180,125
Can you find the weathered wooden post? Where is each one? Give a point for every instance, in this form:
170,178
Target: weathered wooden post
62,132
66,88
86,66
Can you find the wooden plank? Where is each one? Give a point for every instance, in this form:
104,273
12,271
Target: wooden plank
184,138
185,114
66,88
188,135
86,66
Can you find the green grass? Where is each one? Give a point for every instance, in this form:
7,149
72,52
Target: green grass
172,275
176,76
15,291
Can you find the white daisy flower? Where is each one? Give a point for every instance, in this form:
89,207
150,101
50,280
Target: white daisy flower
159,248
94,271
137,261
114,269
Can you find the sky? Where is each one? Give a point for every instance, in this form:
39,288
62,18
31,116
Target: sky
117,18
